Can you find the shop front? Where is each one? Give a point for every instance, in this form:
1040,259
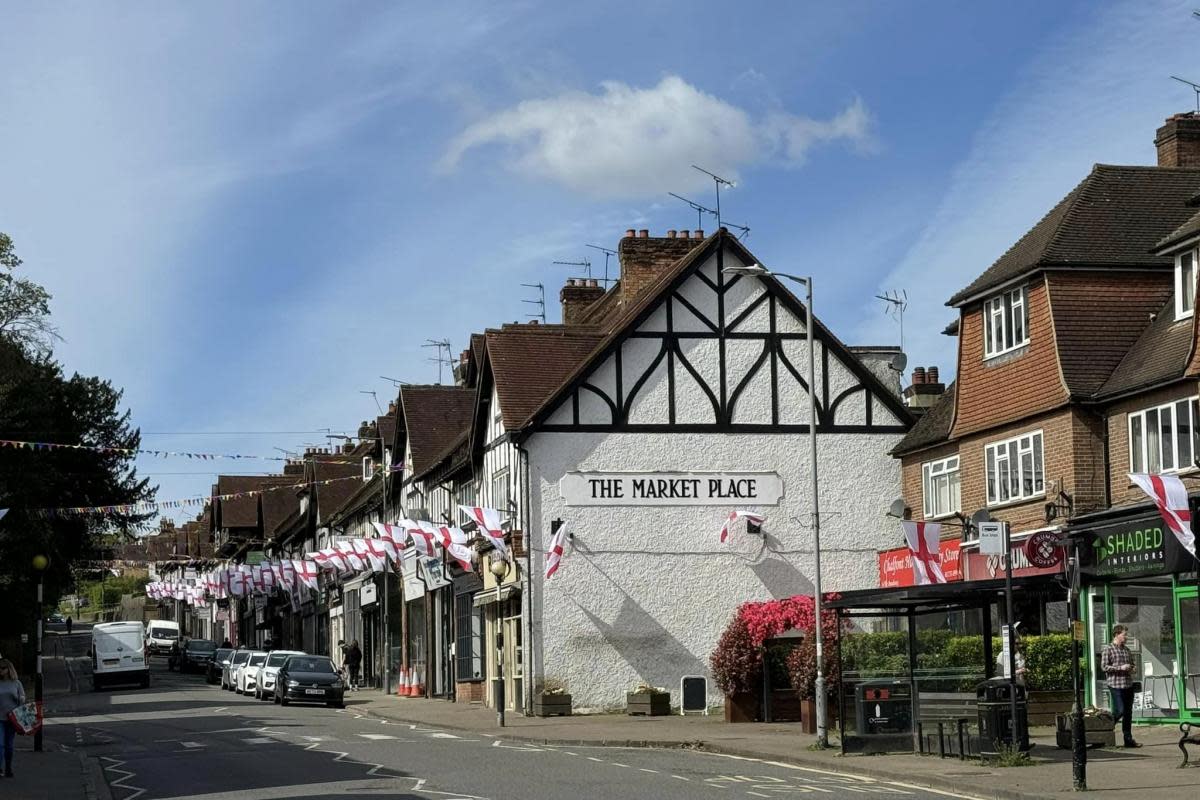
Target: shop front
1135,573
500,600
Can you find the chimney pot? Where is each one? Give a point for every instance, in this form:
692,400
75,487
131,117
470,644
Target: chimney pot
699,233
533,322
1178,141
685,234
629,233
644,233
931,375
670,234
592,282
918,375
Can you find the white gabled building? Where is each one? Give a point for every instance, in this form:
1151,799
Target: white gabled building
637,423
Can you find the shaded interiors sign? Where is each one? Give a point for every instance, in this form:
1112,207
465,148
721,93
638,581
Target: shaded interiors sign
1140,546
670,488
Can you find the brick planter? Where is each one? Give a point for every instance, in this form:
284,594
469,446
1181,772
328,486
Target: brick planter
649,704
552,705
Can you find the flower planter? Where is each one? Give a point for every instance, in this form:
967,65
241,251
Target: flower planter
649,704
552,705
743,707
1045,706
1097,730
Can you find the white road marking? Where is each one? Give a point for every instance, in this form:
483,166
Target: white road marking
115,765
442,736
259,740
680,777
845,777
644,769
375,737
336,788
192,745
615,764
597,760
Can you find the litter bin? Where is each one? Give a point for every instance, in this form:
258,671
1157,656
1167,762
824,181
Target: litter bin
883,706
994,702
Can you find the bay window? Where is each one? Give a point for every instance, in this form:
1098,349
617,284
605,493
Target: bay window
1164,438
1005,323
940,487
1014,469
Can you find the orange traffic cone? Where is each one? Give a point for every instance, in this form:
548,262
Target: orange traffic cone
401,683
418,687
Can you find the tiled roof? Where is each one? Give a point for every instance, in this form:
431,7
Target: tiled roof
434,416
604,307
1187,230
277,504
240,512
386,425
1159,355
1113,218
530,362
332,496
932,428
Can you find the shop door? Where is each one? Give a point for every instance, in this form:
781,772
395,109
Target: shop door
513,651
1188,676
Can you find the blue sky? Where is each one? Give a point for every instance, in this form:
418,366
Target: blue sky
247,213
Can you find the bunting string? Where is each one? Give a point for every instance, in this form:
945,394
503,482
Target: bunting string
132,451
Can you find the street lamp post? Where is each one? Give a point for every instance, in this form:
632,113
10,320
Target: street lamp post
499,569
757,270
40,562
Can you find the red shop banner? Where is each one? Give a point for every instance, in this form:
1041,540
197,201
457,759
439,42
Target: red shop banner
982,568
895,566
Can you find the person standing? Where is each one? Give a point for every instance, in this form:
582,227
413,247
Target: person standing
69,623
354,663
12,696
1117,664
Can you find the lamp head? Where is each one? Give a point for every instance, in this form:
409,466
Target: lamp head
40,562
747,269
498,567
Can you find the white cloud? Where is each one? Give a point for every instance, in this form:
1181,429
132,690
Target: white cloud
629,142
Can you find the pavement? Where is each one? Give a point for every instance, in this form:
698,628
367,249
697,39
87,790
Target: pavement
1115,773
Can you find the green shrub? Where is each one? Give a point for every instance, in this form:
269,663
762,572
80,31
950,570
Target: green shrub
1048,662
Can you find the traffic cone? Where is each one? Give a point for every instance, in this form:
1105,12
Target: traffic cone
401,682
418,687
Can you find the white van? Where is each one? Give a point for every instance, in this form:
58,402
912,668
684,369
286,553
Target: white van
161,634
118,654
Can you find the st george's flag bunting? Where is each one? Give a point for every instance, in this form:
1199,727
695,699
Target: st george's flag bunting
554,554
734,516
923,540
1169,494
490,528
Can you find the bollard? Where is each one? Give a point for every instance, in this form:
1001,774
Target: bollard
962,750
941,740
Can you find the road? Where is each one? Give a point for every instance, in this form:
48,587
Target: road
186,740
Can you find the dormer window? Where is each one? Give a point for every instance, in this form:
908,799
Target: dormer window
1005,325
1185,284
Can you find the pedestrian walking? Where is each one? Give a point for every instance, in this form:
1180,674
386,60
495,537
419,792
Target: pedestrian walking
12,696
354,663
69,623
1117,663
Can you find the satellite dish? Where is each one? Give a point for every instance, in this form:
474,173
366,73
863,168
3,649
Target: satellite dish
899,362
981,515
898,509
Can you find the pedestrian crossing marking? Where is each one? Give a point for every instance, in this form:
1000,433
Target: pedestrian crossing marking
375,737
259,740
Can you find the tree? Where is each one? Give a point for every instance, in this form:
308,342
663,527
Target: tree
24,306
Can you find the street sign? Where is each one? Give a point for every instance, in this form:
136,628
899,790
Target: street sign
1078,631
993,538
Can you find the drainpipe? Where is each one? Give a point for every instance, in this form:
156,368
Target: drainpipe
529,671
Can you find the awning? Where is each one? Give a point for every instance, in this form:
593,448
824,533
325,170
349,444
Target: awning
944,596
495,595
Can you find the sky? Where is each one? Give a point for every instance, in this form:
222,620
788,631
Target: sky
247,213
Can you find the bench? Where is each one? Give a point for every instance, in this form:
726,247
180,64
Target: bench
1187,738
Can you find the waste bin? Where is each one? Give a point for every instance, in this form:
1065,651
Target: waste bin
883,706
994,702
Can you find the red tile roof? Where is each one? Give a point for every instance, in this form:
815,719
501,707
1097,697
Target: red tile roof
434,417
530,362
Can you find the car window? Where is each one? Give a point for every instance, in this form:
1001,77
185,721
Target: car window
277,659
159,633
221,654
201,644
309,664
257,659
240,656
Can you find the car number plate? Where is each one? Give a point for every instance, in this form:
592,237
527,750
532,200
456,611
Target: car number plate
314,691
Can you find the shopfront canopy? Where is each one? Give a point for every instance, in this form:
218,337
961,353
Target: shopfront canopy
939,597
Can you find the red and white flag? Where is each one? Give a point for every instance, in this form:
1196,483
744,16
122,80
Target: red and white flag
277,574
287,574
424,536
554,554
923,540
268,576
488,520
448,534
354,561
734,516
306,573
1169,494
393,538
375,562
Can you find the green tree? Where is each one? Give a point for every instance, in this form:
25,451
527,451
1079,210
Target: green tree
24,306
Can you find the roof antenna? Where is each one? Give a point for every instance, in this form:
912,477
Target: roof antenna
586,264
374,397
540,302
699,209
442,360
895,301
1195,86
718,181
607,253
395,381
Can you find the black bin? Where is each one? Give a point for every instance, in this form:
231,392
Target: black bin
994,702
883,706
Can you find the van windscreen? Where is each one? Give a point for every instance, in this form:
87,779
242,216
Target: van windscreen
109,641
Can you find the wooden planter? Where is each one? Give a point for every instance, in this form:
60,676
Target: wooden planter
552,705
808,715
1097,731
649,704
742,707
1044,707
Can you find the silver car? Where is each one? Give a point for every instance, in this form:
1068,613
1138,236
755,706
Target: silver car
236,659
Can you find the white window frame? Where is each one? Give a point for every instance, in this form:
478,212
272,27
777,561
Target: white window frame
1184,308
1000,483
946,469
1005,317
1169,456
498,476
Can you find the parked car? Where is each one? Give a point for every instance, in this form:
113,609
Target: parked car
309,679
246,675
217,664
264,684
118,654
195,655
235,660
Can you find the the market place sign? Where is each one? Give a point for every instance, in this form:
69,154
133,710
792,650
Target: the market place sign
671,488
1138,547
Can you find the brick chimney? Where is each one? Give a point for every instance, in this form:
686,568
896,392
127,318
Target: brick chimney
576,295
644,258
293,468
1178,141
925,390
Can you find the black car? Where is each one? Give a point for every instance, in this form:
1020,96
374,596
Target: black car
220,657
309,679
195,654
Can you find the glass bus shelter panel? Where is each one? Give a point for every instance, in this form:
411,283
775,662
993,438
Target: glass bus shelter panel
875,704
1189,619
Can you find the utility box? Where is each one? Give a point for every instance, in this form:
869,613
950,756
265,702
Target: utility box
996,725
883,706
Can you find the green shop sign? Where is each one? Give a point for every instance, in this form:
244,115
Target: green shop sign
1142,546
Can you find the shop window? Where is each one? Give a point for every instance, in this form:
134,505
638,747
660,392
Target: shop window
468,647
1148,614
1015,469
940,487
1005,323
1164,438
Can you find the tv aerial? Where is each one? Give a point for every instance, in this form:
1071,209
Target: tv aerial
702,210
540,302
442,360
586,264
895,302
1195,86
718,182
607,254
